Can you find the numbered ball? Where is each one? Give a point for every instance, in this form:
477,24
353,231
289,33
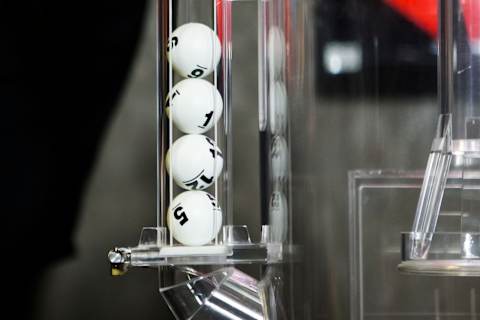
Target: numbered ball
278,213
194,50
279,160
278,108
196,105
276,51
195,163
194,219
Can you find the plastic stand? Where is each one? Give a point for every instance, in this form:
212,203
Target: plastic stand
236,248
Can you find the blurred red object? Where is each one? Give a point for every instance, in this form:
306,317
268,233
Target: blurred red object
219,10
423,13
471,11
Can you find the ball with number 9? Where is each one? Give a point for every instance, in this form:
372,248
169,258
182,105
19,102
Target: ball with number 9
194,50
194,162
193,217
196,105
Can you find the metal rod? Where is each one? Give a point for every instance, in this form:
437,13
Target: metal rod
445,55
162,85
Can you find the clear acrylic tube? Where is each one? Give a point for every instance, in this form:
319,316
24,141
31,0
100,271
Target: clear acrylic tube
191,80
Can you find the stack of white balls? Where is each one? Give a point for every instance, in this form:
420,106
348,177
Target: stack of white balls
278,116
194,161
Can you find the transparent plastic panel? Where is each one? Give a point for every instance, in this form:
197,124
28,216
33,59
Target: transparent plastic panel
376,107
223,294
458,100
209,211
198,102
382,204
461,20
274,294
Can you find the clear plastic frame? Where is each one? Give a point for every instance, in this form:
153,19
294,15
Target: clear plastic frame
189,21
197,223
193,122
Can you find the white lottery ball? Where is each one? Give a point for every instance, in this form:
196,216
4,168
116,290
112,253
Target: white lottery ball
194,50
278,108
279,158
194,165
193,218
278,216
194,104
276,51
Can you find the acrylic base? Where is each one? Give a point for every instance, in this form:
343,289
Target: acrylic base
457,268
448,254
235,247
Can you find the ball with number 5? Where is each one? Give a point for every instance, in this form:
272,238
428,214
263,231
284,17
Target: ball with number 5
193,217
196,105
194,50
194,162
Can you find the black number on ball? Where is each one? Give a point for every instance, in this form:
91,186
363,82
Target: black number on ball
212,200
197,72
210,142
209,117
172,44
175,93
206,179
194,185
180,215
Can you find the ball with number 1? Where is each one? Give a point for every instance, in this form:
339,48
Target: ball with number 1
196,105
